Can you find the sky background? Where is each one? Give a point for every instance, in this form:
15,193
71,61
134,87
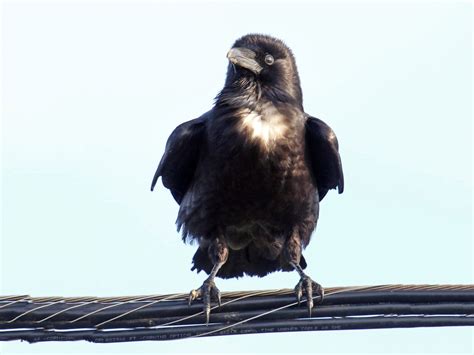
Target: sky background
91,91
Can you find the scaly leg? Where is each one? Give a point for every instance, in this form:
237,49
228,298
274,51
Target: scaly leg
218,252
306,284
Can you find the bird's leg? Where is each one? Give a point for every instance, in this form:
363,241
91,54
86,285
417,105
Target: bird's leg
306,284
218,252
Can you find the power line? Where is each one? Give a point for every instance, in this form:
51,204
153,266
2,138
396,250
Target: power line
166,317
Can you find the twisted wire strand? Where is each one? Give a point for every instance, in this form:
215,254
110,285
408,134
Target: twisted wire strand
110,302
233,325
433,298
132,311
258,293
233,294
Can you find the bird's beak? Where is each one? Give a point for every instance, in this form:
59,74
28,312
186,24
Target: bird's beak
244,58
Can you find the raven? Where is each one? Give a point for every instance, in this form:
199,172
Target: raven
249,174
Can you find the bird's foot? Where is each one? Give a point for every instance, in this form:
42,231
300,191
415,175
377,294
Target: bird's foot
309,287
207,291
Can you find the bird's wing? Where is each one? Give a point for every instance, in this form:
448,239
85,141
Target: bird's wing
178,164
323,153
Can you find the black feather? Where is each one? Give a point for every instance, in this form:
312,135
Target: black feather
323,151
247,173
181,157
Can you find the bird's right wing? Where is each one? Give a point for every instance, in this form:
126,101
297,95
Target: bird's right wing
178,164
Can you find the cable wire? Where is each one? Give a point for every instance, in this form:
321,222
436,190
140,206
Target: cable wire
166,317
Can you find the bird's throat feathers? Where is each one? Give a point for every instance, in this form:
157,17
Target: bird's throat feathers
265,129
267,115
248,93
265,125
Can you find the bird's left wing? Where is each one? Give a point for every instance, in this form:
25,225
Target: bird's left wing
178,164
323,153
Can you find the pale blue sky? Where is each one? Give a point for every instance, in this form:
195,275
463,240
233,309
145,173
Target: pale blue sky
92,90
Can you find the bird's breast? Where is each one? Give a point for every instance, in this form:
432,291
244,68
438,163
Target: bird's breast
264,129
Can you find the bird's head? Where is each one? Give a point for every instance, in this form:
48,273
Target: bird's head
265,65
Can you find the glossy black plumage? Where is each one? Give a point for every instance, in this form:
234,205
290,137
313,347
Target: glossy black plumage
247,173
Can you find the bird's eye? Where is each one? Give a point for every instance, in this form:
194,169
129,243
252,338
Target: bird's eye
269,59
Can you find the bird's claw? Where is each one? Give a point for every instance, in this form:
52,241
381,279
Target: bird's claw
207,292
309,287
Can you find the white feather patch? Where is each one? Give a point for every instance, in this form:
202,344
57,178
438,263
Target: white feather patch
266,129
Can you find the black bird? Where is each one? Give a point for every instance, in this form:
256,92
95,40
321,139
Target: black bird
249,174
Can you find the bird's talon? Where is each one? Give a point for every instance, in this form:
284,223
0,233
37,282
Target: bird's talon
320,291
207,292
194,294
299,292
309,288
